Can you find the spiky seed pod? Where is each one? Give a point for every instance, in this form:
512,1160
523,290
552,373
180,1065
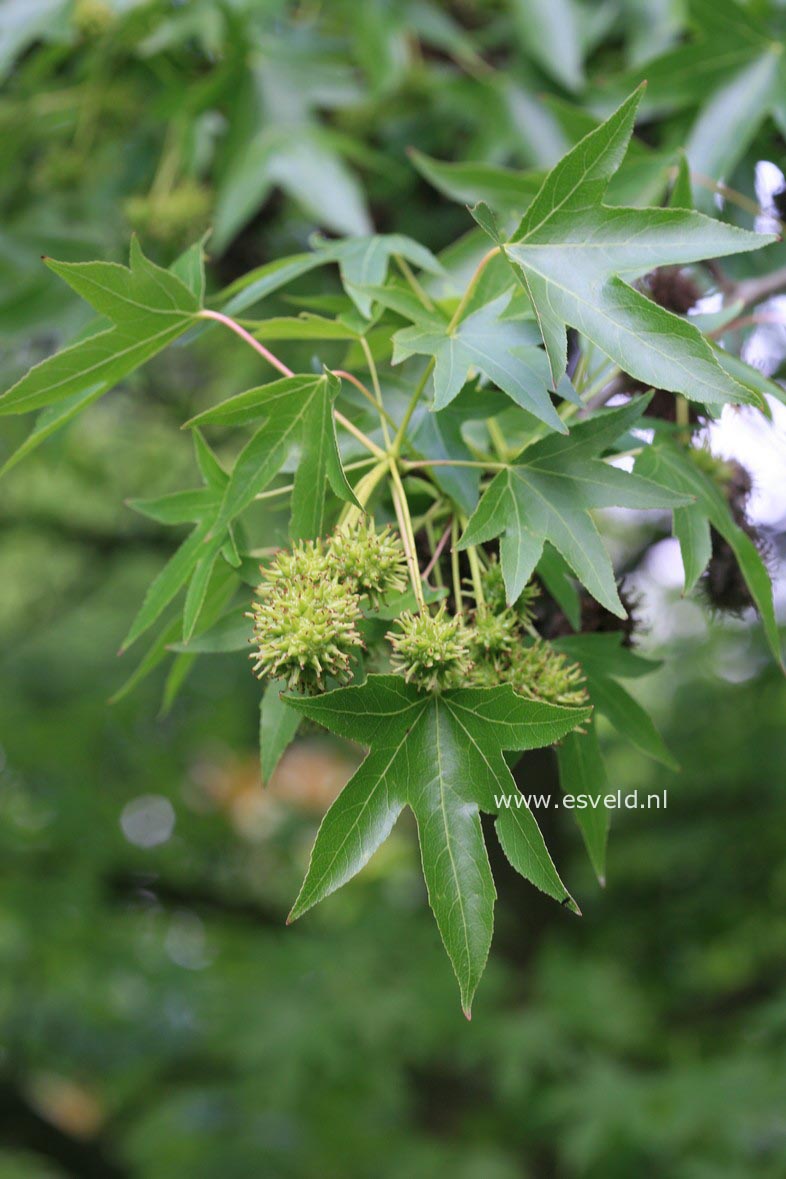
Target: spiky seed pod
675,289
732,477
306,631
372,562
723,584
672,287
552,623
541,673
431,651
493,636
172,216
495,594
305,561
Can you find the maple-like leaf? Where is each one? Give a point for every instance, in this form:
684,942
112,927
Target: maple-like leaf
507,352
604,661
194,559
294,409
547,495
441,755
148,307
571,252
734,71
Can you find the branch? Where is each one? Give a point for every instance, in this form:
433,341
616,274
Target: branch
754,290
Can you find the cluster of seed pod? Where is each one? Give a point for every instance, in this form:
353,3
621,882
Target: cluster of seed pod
309,610
309,604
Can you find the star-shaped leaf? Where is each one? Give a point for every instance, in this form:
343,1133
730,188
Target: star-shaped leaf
734,71
441,755
571,251
548,494
194,559
294,409
148,308
605,661
439,436
505,351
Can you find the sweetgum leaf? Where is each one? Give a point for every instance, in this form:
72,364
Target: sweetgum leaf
297,408
195,558
148,307
583,771
505,351
547,495
733,71
571,251
441,755
605,661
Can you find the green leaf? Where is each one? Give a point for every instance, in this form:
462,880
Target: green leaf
306,166
439,436
733,71
503,350
604,661
169,581
570,251
555,575
548,494
692,530
251,288
190,268
669,464
681,195
551,33
195,559
364,261
504,189
320,464
221,590
232,632
278,726
582,771
297,408
440,755
149,308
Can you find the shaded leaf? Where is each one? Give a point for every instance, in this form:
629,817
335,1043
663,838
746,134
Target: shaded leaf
548,495
440,755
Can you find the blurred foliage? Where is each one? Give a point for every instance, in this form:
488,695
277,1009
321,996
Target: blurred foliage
156,1017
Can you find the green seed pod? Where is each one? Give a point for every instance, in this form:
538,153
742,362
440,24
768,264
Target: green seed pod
305,561
493,636
373,562
431,651
306,631
541,673
496,597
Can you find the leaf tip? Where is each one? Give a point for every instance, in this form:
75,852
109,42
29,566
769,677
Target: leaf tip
467,1012
602,880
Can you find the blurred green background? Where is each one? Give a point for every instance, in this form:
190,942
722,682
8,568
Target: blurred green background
157,1019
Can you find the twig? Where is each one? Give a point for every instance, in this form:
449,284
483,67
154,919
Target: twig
437,553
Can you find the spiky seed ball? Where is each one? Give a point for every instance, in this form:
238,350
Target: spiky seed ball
373,562
431,651
493,636
306,631
305,561
496,598
182,212
541,673
673,288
